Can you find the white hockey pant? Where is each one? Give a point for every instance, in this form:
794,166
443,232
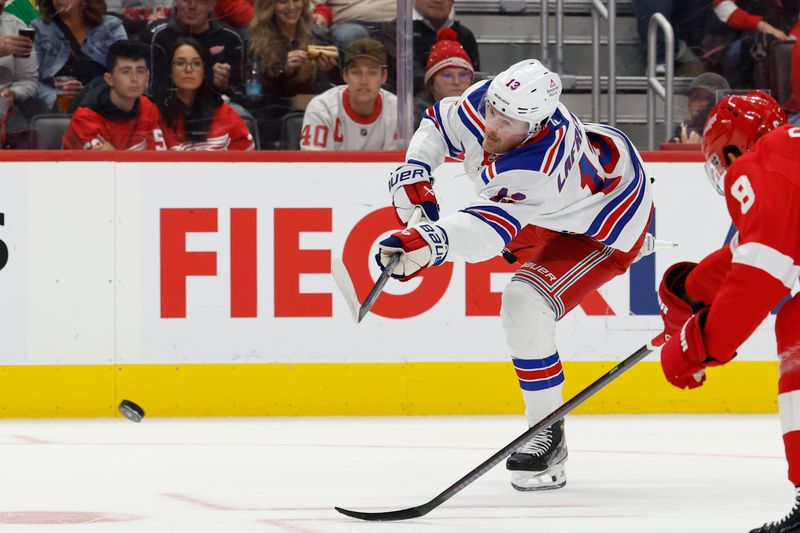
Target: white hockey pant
530,324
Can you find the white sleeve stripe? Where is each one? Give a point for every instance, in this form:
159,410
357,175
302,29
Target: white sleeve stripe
770,260
734,242
725,9
789,409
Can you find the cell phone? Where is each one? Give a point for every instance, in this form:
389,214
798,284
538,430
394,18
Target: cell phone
30,33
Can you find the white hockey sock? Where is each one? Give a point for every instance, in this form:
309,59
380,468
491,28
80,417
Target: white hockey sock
540,403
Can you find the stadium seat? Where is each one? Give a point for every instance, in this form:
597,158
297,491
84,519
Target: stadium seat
291,125
48,130
780,70
88,94
249,121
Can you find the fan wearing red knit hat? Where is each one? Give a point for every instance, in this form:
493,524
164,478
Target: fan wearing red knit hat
448,72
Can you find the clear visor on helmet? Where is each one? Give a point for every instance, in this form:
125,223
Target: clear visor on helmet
501,123
716,175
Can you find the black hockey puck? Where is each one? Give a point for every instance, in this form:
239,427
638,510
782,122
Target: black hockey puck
131,411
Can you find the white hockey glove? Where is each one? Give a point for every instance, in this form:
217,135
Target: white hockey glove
420,246
411,185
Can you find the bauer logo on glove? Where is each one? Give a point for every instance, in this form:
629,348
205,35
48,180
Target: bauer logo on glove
411,185
419,247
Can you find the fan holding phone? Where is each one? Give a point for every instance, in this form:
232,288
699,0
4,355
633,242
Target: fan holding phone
18,75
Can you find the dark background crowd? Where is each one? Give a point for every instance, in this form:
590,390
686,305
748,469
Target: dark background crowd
309,74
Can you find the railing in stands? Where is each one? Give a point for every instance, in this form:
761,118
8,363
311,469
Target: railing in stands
405,73
544,19
609,14
654,87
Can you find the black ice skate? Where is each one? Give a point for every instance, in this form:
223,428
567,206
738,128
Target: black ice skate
788,524
539,464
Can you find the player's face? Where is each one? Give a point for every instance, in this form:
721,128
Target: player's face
187,68
451,81
503,133
287,12
129,78
364,78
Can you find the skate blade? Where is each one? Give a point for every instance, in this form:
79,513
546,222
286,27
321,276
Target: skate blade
552,479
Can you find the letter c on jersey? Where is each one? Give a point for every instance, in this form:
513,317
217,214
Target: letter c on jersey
357,256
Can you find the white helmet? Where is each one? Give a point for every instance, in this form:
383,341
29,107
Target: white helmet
526,91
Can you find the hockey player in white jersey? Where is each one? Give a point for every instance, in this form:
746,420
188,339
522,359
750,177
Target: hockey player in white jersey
357,116
570,203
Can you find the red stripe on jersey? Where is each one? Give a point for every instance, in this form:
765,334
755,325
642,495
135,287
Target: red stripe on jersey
472,114
553,150
488,215
615,215
430,114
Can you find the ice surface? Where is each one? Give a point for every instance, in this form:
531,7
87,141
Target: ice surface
625,474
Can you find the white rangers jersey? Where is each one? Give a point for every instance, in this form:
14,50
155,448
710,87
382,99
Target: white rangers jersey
331,124
576,178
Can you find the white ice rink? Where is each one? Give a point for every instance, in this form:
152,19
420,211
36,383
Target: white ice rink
625,474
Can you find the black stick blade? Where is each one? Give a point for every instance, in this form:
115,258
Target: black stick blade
511,447
386,516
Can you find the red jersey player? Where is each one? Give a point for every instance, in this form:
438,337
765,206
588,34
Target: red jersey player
119,117
711,308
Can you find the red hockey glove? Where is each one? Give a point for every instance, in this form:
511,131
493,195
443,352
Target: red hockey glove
420,246
684,356
411,185
675,311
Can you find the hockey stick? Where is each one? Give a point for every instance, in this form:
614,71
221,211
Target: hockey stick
345,283
508,449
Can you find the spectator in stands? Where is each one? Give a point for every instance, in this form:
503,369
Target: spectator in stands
704,92
72,40
348,20
734,16
792,104
25,10
193,18
194,117
121,117
280,36
677,15
430,16
448,73
236,14
356,116
18,75
137,14
744,61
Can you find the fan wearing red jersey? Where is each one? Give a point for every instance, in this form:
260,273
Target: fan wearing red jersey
734,16
711,308
194,117
119,116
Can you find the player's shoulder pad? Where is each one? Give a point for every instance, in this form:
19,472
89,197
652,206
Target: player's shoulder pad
542,154
476,95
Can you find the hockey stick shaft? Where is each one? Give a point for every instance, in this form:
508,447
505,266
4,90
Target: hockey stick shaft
511,447
378,287
386,272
